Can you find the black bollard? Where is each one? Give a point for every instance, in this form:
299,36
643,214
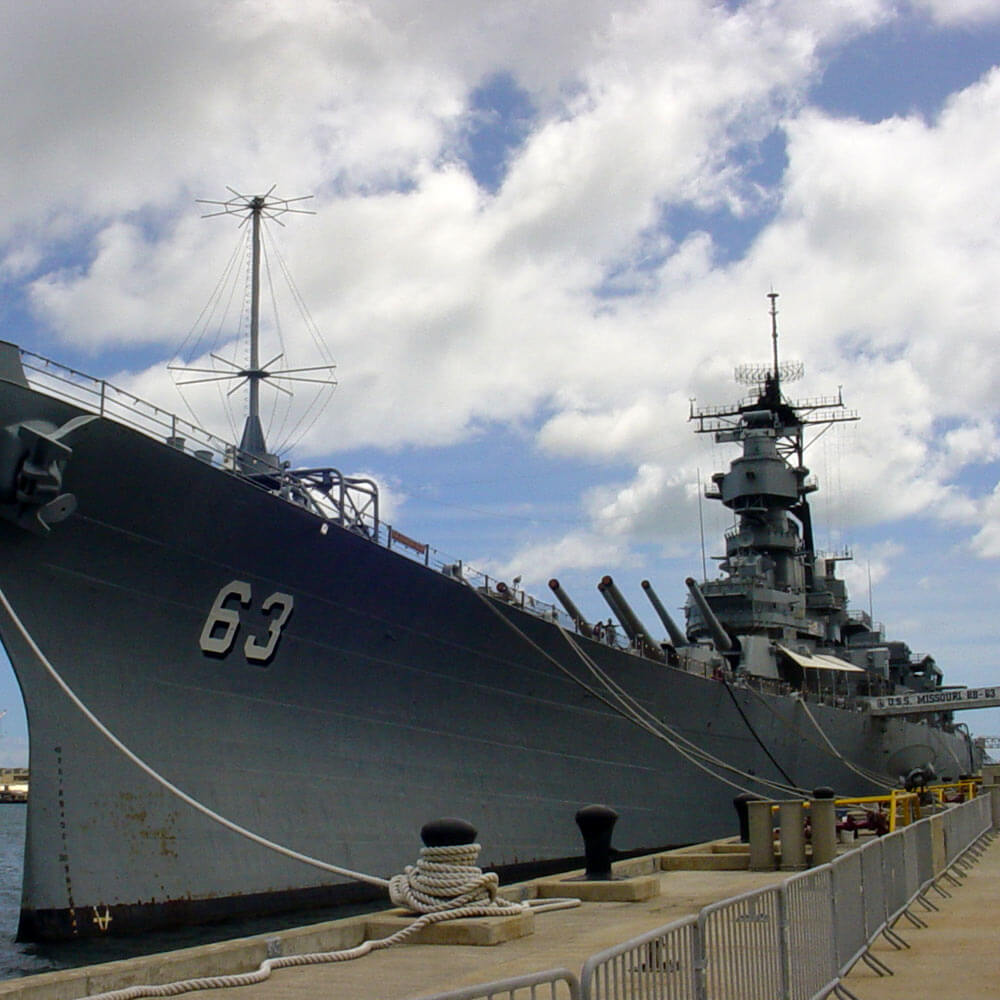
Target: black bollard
741,805
596,823
447,832
823,792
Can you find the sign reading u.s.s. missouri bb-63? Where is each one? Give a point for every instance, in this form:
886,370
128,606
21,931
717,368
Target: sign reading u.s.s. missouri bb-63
946,700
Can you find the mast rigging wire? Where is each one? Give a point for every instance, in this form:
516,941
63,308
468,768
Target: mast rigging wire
631,710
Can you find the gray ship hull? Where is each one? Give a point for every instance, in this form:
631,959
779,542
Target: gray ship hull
390,695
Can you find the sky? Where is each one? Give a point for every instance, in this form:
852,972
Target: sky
541,229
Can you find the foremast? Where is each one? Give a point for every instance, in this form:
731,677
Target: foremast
770,561
254,456
350,501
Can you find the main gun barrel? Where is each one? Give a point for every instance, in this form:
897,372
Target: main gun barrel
677,637
623,612
720,637
571,609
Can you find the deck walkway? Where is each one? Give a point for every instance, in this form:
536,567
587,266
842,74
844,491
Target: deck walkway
955,956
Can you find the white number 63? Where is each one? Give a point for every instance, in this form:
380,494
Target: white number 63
227,620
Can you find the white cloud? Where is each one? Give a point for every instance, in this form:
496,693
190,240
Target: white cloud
986,542
959,12
577,550
449,309
868,566
561,304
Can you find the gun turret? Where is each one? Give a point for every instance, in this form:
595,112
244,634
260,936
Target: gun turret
571,609
720,637
629,621
677,637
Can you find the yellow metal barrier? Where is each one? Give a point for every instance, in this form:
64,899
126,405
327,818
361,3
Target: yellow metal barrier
891,811
897,808
951,792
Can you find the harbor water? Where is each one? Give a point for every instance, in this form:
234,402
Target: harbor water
15,959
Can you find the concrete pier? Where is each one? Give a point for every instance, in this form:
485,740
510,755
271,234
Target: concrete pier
955,955
561,938
956,950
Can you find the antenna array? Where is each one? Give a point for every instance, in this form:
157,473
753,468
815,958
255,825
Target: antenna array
255,209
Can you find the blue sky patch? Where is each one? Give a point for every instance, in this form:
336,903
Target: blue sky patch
908,66
500,117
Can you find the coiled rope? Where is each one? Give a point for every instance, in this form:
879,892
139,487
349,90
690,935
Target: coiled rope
445,883
447,878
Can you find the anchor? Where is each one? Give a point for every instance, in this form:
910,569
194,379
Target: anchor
33,457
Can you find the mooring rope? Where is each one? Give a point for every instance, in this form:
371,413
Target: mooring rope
445,883
827,746
447,877
863,772
695,755
264,970
625,705
164,782
754,734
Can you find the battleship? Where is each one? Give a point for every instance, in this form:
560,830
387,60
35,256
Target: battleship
231,666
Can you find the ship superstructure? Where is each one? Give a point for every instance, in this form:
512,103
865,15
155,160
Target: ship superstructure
779,601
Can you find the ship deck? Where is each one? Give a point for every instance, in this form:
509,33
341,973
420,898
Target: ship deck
955,946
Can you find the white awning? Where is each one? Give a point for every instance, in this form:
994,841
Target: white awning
816,661
838,664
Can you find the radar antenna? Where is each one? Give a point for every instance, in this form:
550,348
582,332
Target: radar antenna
773,296
760,375
254,209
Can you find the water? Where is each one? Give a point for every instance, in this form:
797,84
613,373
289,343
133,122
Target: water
23,959
15,959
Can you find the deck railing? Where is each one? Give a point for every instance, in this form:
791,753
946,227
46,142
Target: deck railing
351,502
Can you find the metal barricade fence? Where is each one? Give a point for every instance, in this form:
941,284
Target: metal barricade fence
911,869
554,984
872,889
984,811
925,853
810,934
741,944
894,875
850,939
661,964
791,941
962,827
955,838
